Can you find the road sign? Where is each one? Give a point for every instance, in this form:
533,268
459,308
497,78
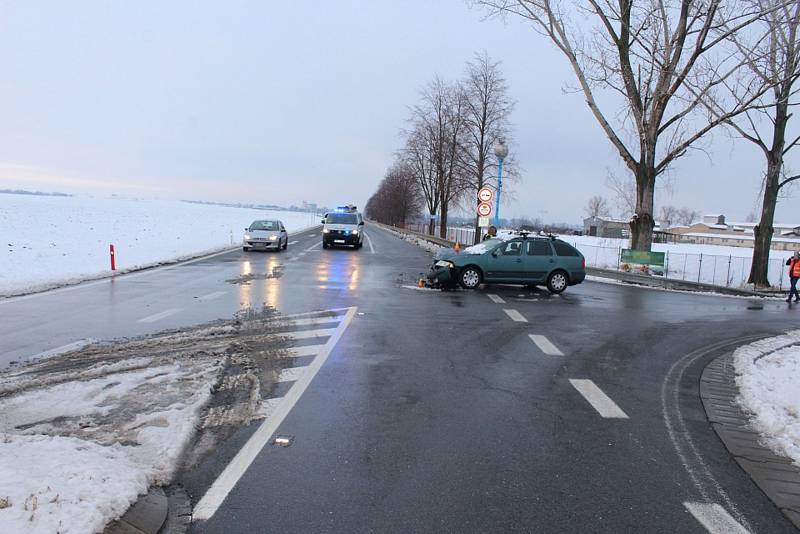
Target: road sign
484,209
483,222
485,194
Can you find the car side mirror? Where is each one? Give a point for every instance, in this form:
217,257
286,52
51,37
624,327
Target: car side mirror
361,223
323,221
495,253
247,229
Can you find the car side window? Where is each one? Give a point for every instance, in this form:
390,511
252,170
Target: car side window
512,248
562,249
539,248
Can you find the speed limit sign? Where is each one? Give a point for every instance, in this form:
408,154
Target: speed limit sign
485,194
484,209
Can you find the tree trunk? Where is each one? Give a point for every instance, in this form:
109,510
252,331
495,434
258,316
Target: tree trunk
642,223
477,231
759,270
432,224
443,221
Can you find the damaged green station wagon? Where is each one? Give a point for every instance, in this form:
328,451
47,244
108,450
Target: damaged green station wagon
511,259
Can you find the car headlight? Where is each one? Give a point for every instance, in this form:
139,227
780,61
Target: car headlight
273,238
247,236
355,232
326,231
443,263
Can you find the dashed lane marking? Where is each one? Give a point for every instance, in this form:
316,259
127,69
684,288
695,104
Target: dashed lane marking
292,374
545,345
600,401
312,247
497,299
715,518
516,316
219,490
158,316
369,242
211,296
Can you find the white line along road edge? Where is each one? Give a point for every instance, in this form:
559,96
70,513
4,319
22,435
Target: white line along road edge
219,490
714,518
599,400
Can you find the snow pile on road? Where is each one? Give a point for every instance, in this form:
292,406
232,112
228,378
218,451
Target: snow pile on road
77,454
50,241
768,376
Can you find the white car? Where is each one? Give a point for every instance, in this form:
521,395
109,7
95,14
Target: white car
265,235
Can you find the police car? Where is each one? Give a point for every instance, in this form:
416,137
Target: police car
343,227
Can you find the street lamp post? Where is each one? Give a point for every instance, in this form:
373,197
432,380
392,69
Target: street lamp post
501,151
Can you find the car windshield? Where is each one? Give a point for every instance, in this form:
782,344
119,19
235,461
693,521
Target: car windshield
341,218
264,225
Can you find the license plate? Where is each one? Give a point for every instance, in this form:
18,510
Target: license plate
338,240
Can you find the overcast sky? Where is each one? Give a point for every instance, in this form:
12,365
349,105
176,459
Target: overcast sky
280,102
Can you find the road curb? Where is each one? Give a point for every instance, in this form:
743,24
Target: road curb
146,516
775,475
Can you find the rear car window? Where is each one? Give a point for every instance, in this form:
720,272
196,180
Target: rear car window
539,248
265,225
562,249
341,218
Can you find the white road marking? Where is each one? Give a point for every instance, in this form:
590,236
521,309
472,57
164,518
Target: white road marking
292,374
516,316
219,490
212,296
497,299
545,345
307,334
76,345
161,315
312,247
292,243
714,518
317,320
369,242
308,350
599,400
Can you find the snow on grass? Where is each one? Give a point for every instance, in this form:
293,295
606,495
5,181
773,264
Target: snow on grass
50,241
75,455
414,240
768,374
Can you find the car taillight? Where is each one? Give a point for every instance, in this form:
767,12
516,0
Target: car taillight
584,261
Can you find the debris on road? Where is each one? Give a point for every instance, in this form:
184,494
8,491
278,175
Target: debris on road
84,434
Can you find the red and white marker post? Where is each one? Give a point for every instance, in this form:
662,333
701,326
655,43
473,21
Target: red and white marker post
113,257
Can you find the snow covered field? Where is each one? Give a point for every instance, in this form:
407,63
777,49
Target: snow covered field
48,241
768,374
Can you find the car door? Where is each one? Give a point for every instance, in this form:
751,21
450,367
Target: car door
507,262
540,259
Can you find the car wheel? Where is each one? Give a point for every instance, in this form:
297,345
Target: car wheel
324,244
286,245
470,277
557,282
245,249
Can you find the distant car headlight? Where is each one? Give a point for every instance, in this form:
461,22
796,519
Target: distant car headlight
247,236
273,238
445,264
326,231
355,232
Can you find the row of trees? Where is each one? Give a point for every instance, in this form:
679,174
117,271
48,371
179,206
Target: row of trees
446,155
660,75
598,206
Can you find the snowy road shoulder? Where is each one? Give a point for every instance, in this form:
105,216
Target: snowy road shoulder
768,374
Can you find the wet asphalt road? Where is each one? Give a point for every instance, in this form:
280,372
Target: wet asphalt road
437,411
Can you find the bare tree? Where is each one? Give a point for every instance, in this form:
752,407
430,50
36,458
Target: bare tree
597,207
624,190
662,58
668,215
396,200
772,58
687,216
433,148
487,112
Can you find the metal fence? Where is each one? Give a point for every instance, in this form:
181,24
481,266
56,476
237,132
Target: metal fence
715,269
